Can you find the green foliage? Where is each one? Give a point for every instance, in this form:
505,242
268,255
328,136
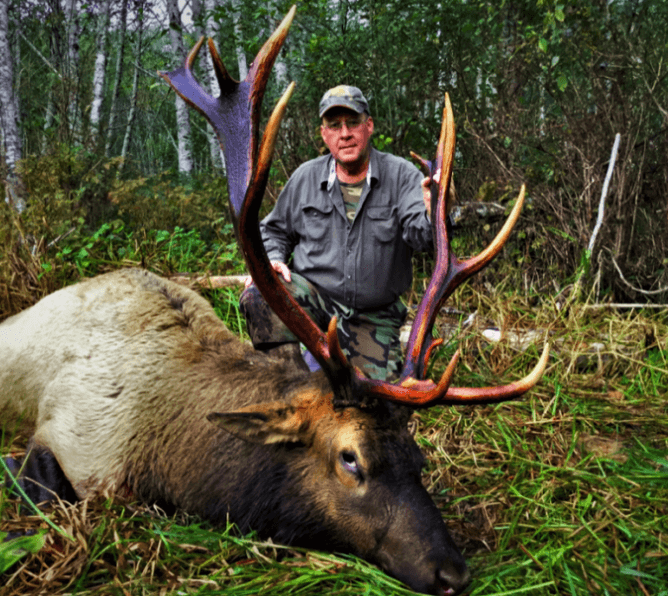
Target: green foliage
115,244
161,202
83,220
225,302
65,185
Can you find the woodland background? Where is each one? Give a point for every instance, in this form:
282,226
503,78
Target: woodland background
91,134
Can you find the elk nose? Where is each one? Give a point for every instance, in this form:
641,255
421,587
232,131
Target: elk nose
453,578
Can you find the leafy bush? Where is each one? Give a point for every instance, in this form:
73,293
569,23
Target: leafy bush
82,220
160,203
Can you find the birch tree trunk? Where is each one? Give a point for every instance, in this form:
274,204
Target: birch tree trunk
54,127
182,115
16,59
72,68
117,80
212,29
8,115
238,36
135,84
50,111
99,74
280,67
196,7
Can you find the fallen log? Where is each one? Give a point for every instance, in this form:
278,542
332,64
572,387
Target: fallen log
209,281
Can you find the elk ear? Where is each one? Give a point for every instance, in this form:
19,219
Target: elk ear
262,424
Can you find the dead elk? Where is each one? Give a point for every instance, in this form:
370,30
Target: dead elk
130,383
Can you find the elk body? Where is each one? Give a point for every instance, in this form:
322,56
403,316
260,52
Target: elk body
119,390
130,383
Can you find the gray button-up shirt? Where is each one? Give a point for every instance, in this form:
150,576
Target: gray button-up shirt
365,263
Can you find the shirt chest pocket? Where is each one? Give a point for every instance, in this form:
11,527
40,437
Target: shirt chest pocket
382,224
317,221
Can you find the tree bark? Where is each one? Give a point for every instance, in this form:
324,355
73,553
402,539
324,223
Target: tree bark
135,84
117,80
238,36
9,117
211,30
182,115
72,69
99,74
56,61
15,40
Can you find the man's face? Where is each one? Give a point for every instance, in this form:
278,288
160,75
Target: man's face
347,135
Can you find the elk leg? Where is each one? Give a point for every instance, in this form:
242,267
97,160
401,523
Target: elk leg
40,476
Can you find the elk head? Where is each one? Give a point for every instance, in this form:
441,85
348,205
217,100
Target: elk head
235,118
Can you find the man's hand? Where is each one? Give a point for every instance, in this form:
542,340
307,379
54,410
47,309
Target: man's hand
277,266
426,191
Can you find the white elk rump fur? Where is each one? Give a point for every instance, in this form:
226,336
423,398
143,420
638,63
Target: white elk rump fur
77,364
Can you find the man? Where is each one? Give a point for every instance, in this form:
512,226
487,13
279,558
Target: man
351,221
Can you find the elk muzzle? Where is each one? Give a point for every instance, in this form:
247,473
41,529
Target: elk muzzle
417,548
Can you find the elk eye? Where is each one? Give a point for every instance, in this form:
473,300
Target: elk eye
349,462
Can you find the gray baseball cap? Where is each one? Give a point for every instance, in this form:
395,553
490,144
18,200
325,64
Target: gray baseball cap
346,97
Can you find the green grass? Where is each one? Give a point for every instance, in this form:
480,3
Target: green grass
571,483
562,492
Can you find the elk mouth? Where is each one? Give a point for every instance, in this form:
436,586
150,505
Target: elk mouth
445,578
450,584
445,582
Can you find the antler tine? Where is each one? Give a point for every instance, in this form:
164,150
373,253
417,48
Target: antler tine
225,81
490,395
420,343
449,273
445,280
423,394
250,240
235,117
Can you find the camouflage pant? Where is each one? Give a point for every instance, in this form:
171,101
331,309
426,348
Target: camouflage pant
370,338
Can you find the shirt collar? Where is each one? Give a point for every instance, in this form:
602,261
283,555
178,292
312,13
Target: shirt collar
370,173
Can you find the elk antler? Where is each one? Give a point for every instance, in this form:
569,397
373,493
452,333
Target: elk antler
449,273
412,389
234,116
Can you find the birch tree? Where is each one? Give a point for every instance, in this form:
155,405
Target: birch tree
139,7
55,61
212,30
8,115
16,59
72,65
122,24
238,37
182,115
100,71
